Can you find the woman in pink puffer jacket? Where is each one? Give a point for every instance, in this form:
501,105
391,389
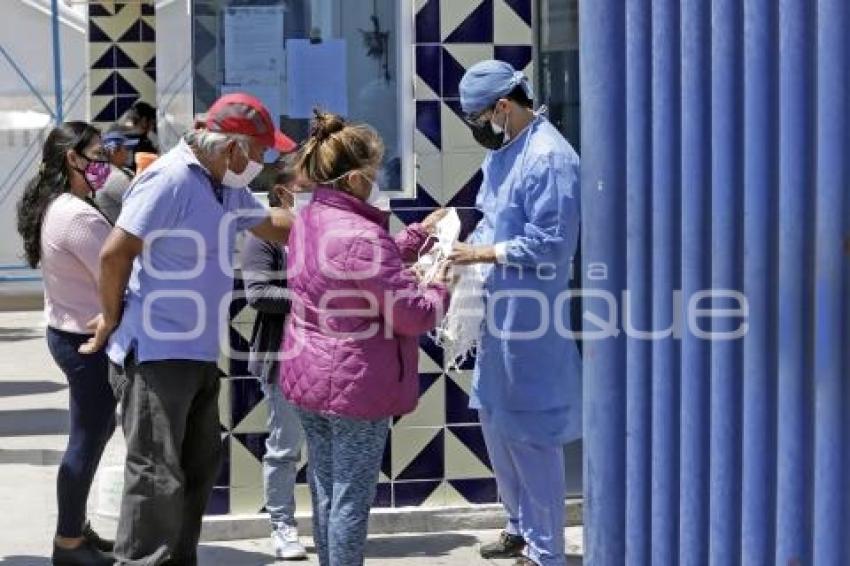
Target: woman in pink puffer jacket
350,352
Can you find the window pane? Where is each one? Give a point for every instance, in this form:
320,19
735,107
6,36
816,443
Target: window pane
364,35
559,65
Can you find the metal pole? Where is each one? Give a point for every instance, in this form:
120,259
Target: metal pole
796,241
832,177
603,84
637,313
694,500
758,461
57,62
726,206
665,269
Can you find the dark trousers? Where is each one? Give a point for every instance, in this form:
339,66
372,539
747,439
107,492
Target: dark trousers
92,419
170,421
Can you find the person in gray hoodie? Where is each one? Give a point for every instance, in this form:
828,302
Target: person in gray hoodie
264,274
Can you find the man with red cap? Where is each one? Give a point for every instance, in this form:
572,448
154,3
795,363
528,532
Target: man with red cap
165,287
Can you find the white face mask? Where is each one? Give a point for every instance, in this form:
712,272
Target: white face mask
378,198
301,201
241,180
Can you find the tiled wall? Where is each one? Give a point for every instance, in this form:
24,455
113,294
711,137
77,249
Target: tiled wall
436,455
122,57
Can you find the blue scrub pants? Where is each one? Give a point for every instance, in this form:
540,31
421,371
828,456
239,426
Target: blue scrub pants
532,486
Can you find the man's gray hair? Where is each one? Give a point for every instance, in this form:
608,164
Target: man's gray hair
211,143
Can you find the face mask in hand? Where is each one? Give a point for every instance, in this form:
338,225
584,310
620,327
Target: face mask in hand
241,180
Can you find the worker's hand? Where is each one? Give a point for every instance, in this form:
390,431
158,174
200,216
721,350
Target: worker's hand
430,222
465,254
102,329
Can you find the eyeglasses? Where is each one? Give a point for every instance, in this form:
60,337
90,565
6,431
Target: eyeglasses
479,118
97,156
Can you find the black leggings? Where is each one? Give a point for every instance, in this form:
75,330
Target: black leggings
92,416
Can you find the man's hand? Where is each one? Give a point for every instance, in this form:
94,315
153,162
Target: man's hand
430,222
465,254
102,330
275,228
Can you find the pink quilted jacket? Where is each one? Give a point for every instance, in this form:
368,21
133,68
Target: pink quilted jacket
351,344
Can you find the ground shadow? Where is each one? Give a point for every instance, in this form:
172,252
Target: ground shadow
24,561
211,555
19,334
31,456
19,388
33,422
411,546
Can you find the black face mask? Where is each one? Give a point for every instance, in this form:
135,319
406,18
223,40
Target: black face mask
486,136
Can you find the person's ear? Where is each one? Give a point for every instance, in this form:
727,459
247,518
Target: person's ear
356,180
73,159
231,153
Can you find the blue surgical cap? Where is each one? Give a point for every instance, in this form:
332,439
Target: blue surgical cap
488,81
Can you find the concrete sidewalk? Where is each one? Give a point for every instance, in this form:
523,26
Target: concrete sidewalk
33,434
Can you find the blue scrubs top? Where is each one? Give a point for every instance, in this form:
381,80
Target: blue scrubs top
528,370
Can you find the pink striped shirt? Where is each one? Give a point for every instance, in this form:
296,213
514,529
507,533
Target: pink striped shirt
72,235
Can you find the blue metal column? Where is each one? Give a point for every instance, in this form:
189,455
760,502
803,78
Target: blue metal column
796,179
696,265
726,182
759,381
830,342
666,167
57,62
637,312
602,64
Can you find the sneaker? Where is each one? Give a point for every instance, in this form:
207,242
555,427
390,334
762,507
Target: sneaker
84,555
508,546
102,544
286,544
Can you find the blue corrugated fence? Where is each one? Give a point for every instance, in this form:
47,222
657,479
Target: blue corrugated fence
716,156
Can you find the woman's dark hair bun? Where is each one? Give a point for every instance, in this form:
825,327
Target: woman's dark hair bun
325,124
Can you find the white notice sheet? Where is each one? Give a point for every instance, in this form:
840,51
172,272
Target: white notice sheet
253,46
317,76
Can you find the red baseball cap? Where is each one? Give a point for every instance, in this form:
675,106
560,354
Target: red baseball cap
241,113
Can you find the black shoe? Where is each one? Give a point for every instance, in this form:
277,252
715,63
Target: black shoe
508,546
102,544
84,555
525,561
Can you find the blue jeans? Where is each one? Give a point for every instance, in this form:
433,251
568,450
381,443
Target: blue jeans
345,460
92,417
283,451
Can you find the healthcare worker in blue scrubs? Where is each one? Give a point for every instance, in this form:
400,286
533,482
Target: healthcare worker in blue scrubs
527,381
